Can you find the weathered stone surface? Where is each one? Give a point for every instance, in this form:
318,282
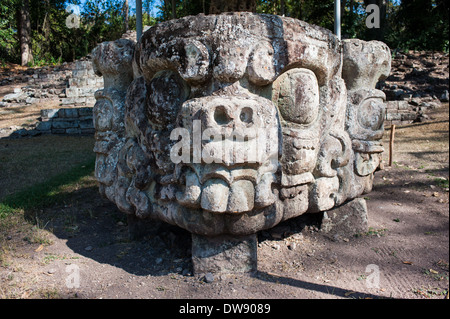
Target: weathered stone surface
15,97
113,61
231,78
70,113
44,126
365,63
65,124
346,220
49,113
66,121
73,131
229,124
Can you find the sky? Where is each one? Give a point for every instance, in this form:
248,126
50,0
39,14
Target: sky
131,3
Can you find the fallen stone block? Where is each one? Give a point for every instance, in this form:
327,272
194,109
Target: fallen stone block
346,220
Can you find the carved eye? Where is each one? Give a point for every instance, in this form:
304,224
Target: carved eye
166,92
296,93
195,64
371,113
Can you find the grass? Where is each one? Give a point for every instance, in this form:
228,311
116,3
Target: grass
47,193
443,183
38,173
29,161
17,211
373,232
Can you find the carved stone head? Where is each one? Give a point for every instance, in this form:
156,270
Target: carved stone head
236,122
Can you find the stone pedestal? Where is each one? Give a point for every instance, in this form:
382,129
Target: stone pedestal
224,254
346,220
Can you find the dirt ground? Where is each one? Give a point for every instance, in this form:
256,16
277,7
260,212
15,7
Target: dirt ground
405,254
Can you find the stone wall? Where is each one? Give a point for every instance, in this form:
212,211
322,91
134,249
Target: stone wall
407,111
399,113
66,121
70,84
62,121
418,82
82,85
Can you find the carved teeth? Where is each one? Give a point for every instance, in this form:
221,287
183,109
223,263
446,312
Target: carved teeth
242,197
192,192
215,196
263,191
221,190
293,180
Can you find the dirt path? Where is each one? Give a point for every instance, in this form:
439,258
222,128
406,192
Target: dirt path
85,253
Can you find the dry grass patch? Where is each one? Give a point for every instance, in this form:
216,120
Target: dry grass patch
29,161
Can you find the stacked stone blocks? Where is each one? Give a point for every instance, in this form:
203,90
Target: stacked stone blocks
72,84
66,121
399,113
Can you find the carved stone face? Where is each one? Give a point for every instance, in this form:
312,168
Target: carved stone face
364,64
236,122
113,60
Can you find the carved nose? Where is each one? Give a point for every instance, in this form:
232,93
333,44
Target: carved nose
224,116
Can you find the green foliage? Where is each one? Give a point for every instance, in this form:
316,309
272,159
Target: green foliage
182,8
49,192
420,25
53,41
320,13
8,31
407,24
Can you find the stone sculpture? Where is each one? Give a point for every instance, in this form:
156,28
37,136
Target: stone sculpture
229,124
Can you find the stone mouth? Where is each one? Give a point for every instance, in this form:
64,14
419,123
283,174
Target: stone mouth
221,189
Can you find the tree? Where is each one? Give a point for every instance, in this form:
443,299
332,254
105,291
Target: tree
125,13
421,25
8,30
174,12
36,32
25,33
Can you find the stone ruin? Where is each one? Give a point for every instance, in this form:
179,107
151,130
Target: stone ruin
70,85
66,90
226,125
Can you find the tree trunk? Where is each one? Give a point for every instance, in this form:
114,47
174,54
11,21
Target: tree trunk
174,10
125,13
25,33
